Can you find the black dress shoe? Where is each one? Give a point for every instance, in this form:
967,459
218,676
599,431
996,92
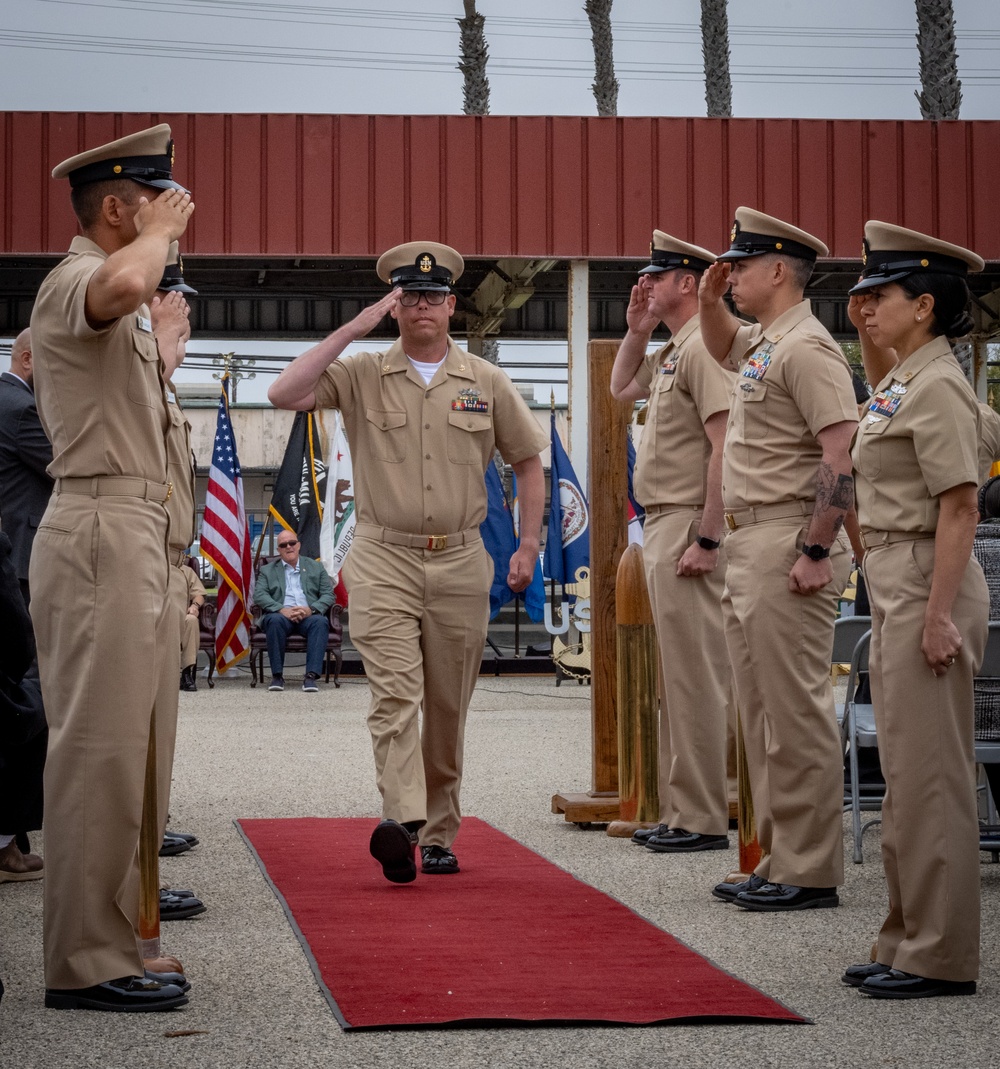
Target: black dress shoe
188,681
178,979
393,847
728,891
129,994
784,897
172,845
679,841
898,984
173,908
192,840
641,836
855,975
438,860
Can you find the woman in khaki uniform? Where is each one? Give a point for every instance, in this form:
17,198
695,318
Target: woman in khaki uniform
916,461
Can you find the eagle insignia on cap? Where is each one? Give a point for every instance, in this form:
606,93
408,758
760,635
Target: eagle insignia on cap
651,249
172,154
864,252
426,263
734,231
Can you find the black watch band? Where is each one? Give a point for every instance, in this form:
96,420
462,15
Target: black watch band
706,543
816,551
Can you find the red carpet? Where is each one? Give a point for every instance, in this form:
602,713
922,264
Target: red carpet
512,939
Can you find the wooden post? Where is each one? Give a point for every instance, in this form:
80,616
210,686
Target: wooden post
607,494
638,720
154,959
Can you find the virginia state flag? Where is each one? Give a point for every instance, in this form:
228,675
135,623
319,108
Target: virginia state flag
567,544
497,532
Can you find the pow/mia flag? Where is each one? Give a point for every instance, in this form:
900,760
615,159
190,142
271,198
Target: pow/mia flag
300,488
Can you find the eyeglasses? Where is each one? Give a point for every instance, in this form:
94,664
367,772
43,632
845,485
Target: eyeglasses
411,298
287,545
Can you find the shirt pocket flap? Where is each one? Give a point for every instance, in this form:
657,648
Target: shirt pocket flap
385,421
471,421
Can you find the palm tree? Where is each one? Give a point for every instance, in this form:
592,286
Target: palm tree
605,84
715,51
474,54
940,95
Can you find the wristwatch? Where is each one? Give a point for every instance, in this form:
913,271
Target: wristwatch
816,551
706,543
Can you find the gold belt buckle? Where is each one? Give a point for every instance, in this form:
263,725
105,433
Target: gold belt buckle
731,521
437,541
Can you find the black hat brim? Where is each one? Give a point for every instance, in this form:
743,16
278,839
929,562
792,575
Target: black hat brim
871,281
179,287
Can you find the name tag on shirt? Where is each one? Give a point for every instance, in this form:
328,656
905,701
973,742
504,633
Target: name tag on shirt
144,324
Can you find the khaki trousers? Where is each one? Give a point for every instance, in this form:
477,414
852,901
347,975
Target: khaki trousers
418,618
780,645
99,578
167,698
696,702
925,725
190,632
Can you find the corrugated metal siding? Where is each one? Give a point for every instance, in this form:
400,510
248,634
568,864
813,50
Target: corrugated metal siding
353,185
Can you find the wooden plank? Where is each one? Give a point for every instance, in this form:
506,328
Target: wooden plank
608,467
586,808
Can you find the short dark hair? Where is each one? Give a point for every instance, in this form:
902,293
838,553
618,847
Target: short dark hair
951,301
88,199
800,270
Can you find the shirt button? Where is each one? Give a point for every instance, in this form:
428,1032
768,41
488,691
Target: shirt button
427,426
427,456
428,487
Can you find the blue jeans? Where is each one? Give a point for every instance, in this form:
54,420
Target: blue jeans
314,629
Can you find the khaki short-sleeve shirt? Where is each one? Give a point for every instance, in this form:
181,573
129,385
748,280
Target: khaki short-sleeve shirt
919,437
181,473
195,587
420,450
686,387
792,382
989,440
99,392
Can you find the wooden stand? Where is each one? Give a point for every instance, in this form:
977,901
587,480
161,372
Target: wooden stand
607,494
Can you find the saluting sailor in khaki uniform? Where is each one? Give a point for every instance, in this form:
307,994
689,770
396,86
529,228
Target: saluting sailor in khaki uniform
422,420
786,486
99,569
171,327
916,469
678,479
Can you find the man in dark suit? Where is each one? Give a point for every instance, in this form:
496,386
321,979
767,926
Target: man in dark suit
295,594
24,492
25,453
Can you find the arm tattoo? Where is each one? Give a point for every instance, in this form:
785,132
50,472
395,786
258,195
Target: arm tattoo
833,491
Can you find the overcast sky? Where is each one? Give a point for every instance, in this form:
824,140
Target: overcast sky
796,58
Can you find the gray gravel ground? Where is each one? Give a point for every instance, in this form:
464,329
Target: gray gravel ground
249,753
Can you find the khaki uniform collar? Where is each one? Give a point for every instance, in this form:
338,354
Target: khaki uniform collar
81,244
917,361
457,363
684,333
787,320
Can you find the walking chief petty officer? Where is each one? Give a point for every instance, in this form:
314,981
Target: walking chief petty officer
422,421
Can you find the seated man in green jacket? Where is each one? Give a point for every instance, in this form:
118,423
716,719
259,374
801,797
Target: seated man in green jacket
295,594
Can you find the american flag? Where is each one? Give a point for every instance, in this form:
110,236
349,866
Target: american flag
225,541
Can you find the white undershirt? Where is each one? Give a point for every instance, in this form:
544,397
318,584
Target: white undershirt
425,371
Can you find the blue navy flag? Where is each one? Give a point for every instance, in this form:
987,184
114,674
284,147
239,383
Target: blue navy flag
567,544
497,531
637,509
534,595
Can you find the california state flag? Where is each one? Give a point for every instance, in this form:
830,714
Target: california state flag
337,531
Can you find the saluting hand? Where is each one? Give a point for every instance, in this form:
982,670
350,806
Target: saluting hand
369,318
714,283
171,312
638,316
854,305
170,211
